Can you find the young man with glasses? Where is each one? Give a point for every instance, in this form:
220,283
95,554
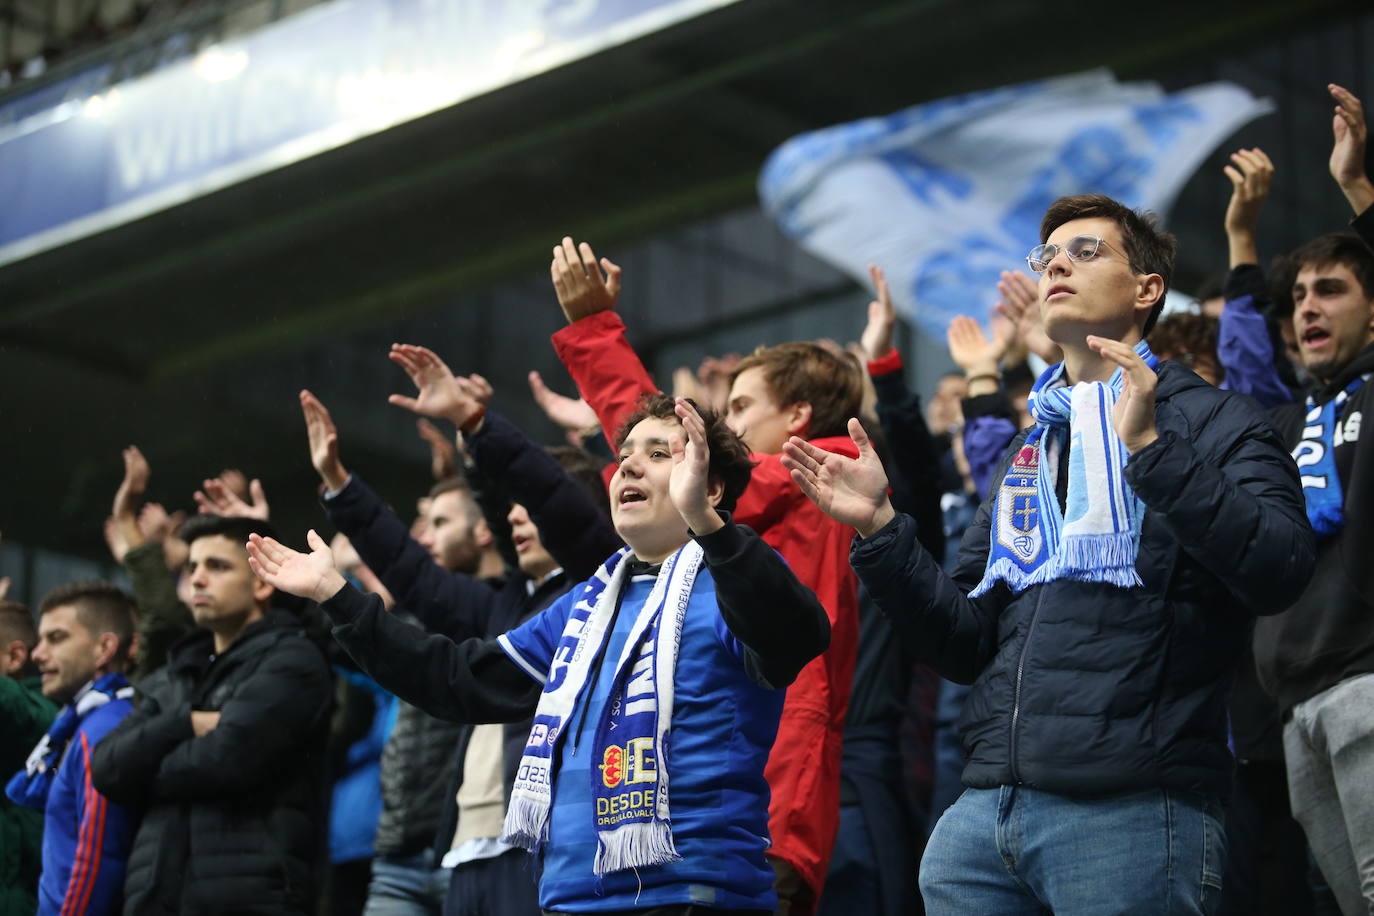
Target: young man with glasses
1099,603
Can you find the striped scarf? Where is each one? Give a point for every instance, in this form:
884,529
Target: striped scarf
1098,535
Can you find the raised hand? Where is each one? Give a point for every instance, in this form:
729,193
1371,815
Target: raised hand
1021,304
156,524
572,414
1133,417
851,491
1349,134
690,481
971,349
134,484
578,280
439,393
218,496
882,317
324,442
1251,173
443,454
306,575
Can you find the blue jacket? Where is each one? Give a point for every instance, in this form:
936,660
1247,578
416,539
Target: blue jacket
86,837
1087,689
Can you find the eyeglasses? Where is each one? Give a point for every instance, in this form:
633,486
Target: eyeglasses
1078,248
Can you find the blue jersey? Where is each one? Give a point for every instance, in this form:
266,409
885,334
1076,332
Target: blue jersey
722,731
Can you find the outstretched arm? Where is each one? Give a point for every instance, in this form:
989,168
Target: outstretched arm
574,531
468,681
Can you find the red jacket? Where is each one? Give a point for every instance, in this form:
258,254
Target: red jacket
804,768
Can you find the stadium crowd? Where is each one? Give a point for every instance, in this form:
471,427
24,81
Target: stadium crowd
776,639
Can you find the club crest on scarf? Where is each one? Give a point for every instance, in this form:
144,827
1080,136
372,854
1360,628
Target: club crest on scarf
1031,540
1017,527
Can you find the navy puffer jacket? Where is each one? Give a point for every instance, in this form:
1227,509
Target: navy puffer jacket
1087,689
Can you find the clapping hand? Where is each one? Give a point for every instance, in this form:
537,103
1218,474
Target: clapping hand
307,575
853,491
689,486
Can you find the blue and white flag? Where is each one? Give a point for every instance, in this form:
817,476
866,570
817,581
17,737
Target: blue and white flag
946,195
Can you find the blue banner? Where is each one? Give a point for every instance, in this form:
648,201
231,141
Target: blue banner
312,82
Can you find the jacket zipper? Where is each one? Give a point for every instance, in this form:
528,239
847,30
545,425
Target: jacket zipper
1016,690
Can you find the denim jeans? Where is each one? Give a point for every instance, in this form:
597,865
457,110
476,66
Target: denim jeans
1329,747
410,886
1015,850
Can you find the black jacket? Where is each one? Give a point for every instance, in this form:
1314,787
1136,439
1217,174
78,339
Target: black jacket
1328,634
233,821
1087,689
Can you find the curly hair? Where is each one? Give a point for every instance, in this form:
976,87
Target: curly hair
729,464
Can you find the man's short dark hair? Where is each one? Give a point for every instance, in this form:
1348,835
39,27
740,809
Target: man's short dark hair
1149,249
1343,248
729,464
586,470
16,622
802,371
101,607
235,528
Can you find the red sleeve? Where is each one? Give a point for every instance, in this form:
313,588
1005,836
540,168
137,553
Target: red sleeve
604,366
891,361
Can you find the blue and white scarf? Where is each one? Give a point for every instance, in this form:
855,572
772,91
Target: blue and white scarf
1316,460
633,828
1098,537
31,785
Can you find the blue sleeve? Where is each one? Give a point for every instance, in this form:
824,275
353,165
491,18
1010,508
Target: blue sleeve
1246,352
450,603
985,442
93,879
532,645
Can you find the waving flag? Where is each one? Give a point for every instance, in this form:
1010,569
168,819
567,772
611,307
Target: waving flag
946,195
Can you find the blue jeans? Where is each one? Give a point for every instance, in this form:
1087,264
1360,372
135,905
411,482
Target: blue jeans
1016,850
410,886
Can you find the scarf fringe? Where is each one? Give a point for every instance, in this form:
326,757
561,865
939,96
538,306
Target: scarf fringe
1106,558
1003,569
526,825
634,846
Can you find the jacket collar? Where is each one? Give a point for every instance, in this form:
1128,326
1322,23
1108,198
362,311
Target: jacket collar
193,650
1362,363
